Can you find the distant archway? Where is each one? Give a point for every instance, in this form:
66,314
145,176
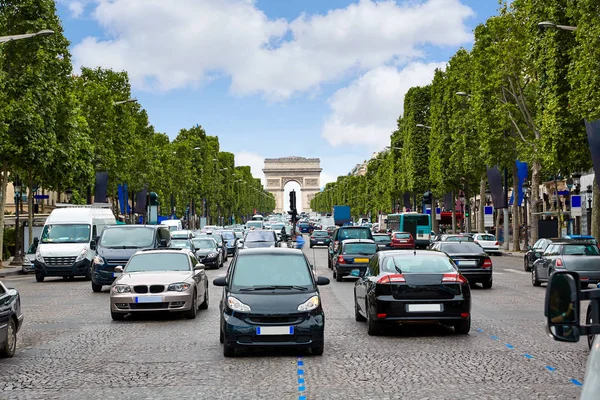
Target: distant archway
287,188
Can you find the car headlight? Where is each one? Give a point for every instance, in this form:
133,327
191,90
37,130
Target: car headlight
178,287
38,256
82,254
213,255
309,304
236,305
99,260
121,289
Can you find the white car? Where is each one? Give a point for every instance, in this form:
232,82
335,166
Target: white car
488,242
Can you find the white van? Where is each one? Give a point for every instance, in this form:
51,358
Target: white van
173,224
67,244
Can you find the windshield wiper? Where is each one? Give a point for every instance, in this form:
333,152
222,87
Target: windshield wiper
274,287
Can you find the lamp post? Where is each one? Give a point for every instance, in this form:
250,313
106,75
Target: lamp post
525,222
12,38
69,194
548,24
589,192
462,210
423,126
17,260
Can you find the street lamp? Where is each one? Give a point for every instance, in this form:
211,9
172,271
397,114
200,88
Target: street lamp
392,147
12,38
576,182
552,25
462,210
488,197
17,260
525,222
423,126
197,148
589,192
69,194
463,94
116,103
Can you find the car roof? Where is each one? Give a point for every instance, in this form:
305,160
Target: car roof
135,226
171,250
270,251
574,242
350,241
412,252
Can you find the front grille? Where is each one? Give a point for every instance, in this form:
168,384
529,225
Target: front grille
273,338
140,289
157,288
117,262
275,319
60,260
148,306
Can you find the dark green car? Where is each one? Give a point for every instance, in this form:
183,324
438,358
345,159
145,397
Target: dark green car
320,238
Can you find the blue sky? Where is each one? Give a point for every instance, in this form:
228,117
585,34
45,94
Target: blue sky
274,78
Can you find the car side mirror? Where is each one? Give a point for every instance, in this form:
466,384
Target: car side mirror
220,281
119,268
529,248
162,243
538,255
93,245
562,306
322,281
36,241
199,267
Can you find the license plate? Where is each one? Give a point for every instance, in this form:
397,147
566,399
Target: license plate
424,307
116,274
361,260
274,330
466,263
148,299
319,242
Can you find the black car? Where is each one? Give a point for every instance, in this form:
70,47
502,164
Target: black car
305,227
218,238
118,243
455,238
11,319
353,254
412,286
271,299
538,248
383,240
260,238
345,233
319,238
207,252
231,242
472,261
183,244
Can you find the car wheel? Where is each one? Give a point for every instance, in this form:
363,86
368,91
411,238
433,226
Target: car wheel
534,277
487,284
192,312
317,350
228,350
117,316
526,266
328,262
39,276
588,321
584,285
88,275
10,346
357,315
204,304
463,327
96,288
221,336
373,327
311,246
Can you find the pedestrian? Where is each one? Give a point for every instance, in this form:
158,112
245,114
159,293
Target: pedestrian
300,241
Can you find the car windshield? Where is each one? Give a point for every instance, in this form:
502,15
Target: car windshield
181,244
254,224
66,233
204,243
402,235
420,264
320,234
180,235
239,235
381,238
360,248
228,235
260,236
461,248
488,238
459,239
354,234
155,262
277,227
127,236
254,270
581,250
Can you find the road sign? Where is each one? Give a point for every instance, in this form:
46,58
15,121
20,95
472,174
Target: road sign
488,216
438,213
576,205
41,196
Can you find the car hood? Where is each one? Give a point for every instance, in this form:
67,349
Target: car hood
153,278
461,254
61,249
254,245
267,302
204,252
116,254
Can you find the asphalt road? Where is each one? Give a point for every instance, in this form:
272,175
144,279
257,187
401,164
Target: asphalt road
69,348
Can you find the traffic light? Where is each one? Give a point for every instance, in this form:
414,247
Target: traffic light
153,197
293,200
427,198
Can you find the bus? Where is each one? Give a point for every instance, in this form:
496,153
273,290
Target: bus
419,225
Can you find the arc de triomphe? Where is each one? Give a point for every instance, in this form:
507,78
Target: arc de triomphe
305,171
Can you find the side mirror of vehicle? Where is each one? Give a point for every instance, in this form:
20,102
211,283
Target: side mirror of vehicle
36,241
93,245
220,281
199,267
119,268
529,248
538,255
163,243
562,306
322,281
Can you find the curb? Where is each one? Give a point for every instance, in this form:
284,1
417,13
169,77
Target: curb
511,254
4,274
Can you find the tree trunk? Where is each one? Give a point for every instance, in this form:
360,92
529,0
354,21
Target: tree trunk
497,228
482,204
3,185
596,209
535,202
434,221
30,211
515,213
453,213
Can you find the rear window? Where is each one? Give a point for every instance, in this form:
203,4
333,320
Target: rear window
402,235
354,234
360,248
381,238
260,236
320,234
459,239
490,238
418,264
580,250
181,244
461,248
421,219
228,235
271,269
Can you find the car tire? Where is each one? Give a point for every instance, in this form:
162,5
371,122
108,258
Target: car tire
88,275
463,327
534,277
221,336
487,284
526,266
96,288
584,285
10,346
228,350
337,276
117,316
588,321
39,276
204,304
317,350
357,315
193,311
373,327
329,263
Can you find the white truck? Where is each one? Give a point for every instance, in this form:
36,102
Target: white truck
67,244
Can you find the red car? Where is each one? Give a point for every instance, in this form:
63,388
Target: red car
403,240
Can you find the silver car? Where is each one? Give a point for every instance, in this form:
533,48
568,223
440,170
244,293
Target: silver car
159,280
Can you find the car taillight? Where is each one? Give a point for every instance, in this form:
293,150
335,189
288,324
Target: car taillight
487,263
559,262
341,260
497,244
392,278
454,278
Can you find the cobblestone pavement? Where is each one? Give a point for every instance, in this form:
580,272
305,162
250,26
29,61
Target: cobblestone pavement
69,348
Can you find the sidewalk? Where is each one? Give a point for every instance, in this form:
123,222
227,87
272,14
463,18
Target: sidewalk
8,270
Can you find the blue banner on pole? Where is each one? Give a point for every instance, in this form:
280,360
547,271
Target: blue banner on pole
488,210
522,173
576,201
126,192
120,191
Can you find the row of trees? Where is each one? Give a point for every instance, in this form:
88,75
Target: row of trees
521,93
58,129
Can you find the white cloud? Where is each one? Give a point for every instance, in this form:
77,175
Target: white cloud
255,161
365,112
277,58
76,8
326,178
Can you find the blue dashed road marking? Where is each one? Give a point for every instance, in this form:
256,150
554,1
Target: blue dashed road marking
576,382
479,330
301,381
510,346
529,356
549,368
495,338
